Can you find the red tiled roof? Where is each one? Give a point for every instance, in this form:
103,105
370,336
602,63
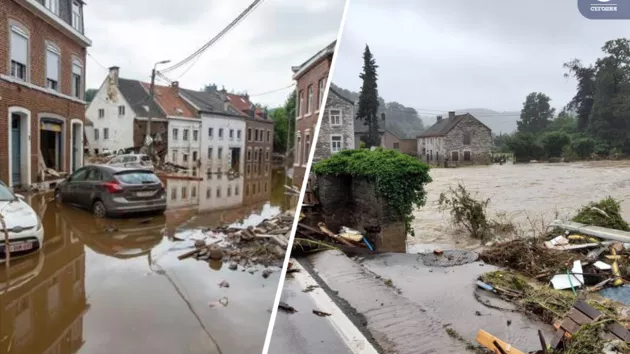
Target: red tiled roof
170,101
243,104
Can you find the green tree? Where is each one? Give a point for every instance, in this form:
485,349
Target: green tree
525,147
554,143
582,102
280,130
90,94
368,99
501,143
564,122
536,113
583,147
290,108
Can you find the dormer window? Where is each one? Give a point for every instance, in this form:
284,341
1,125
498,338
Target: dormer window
77,21
53,6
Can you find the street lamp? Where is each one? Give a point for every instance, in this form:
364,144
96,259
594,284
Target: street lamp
152,94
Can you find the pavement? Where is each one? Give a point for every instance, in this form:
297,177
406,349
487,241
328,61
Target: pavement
116,286
403,306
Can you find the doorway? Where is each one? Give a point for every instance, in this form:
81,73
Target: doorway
455,156
16,150
236,159
51,144
19,146
77,146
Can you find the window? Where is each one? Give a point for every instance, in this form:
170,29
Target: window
309,103
335,143
101,113
220,133
247,189
173,193
53,6
76,16
249,169
96,134
466,140
229,191
231,133
218,192
219,173
320,94
467,156
121,111
52,67
268,135
193,192
195,135
307,147
220,154
256,135
210,131
396,145
184,193
209,153
175,133
208,193
105,133
185,157
174,156
300,103
19,53
249,134
335,116
298,150
236,191
454,156
195,156
266,168
238,134
267,155
185,135
256,155
77,78
249,154
265,187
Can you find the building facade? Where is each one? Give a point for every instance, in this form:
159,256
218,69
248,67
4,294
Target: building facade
392,140
42,80
458,140
311,78
336,131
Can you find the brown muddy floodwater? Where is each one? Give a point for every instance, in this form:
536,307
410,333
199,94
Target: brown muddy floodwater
525,194
116,286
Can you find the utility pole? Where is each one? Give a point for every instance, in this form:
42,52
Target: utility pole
147,140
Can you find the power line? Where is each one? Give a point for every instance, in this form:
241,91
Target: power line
199,51
97,62
272,91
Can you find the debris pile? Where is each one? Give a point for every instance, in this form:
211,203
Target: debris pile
312,239
264,244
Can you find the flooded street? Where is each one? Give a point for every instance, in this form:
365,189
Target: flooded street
116,286
527,194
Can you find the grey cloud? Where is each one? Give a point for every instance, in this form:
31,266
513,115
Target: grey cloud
168,12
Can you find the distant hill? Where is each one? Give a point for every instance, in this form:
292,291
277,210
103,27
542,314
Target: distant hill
404,122
499,122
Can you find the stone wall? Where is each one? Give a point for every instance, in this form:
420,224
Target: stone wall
353,202
480,142
326,130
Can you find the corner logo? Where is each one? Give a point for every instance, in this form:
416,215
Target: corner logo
605,9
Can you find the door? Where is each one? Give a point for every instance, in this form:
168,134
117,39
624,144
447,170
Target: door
71,189
16,151
86,188
76,145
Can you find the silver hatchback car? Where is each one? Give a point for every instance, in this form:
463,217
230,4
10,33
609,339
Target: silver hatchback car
113,191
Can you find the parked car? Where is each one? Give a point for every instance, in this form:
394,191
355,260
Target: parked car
108,190
24,227
132,160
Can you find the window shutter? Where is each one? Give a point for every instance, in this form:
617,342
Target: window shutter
52,65
77,69
19,46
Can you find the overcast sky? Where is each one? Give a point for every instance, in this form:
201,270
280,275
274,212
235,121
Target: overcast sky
256,56
455,54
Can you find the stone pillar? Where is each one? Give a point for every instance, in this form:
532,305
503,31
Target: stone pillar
334,197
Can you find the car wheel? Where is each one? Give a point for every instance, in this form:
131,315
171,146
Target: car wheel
99,210
58,197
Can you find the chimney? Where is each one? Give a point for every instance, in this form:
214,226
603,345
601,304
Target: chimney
175,85
113,74
439,118
451,114
246,96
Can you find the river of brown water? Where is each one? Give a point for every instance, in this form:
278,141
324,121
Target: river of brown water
529,195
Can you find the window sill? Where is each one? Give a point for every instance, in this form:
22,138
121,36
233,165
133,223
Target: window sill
308,115
41,89
336,125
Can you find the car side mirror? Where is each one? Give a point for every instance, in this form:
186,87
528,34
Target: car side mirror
19,196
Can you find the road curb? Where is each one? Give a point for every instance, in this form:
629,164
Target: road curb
349,333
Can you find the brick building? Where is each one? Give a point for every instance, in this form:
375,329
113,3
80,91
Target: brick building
311,79
459,139
42,85
258,149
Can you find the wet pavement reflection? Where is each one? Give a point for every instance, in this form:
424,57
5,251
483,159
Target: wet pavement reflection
116,286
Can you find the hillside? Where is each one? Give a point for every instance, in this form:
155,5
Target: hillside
499,122
401,121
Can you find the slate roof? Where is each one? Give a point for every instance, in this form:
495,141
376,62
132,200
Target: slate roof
445,125
340,95
404,129
137,97
210,102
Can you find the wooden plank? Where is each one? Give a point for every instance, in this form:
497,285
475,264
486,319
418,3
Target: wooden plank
557,338
487,340
569,325
579,318
587,309
620,331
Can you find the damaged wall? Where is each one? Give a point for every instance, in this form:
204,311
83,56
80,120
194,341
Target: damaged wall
353,202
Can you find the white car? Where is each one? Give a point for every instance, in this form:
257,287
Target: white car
132,160
26,233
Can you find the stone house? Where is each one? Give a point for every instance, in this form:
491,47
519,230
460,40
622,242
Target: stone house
310,77
42,84
459,139
336,132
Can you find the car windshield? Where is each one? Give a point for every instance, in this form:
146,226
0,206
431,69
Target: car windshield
137,177
6,194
